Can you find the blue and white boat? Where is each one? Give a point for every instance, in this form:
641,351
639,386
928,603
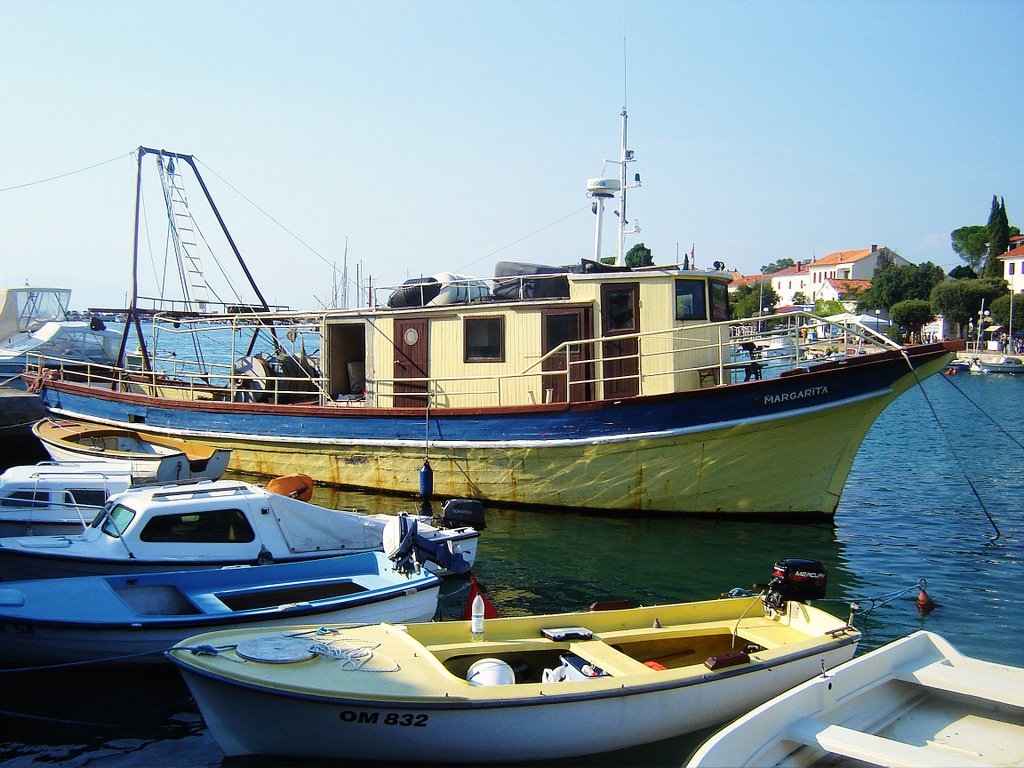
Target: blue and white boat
134,618
209,524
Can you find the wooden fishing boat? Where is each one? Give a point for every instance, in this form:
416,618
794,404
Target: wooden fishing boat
135,618
916,701
155,458
575,386
529,688
54,498
208,524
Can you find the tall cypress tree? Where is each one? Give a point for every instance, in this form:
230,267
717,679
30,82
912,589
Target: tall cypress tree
998,238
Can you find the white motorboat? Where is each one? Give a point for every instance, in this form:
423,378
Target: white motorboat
156,458
208,524
34,322
509,689
916,701
55,498
135,618
997,364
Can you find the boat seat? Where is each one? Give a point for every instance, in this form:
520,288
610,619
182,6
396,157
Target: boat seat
771,636
612,661
1008,689
875,750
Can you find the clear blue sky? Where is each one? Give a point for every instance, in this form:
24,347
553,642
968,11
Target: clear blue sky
445,136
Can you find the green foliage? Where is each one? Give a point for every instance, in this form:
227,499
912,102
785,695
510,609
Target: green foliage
885,259
800,298
1001,312
959,301
824,308
998,238
970,243
747,300
895,284
912,313
639,256
777,266
963,272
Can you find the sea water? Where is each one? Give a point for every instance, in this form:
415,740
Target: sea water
928,499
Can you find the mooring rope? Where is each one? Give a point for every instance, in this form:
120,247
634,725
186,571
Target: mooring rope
949,442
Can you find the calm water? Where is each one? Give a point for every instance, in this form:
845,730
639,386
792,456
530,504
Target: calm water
907,513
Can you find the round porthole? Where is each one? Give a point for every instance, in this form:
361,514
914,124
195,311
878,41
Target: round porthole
411,336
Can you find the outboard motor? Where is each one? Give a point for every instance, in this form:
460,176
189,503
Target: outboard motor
457,512
407,549
795,579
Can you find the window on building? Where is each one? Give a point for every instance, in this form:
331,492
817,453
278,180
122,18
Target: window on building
1012,265
484,339
690,302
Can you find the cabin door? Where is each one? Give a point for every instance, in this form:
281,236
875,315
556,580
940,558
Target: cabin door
411,348
558,327
620,315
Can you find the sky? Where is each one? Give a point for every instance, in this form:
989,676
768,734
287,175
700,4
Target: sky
445,136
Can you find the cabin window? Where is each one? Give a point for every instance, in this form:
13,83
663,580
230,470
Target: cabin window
485,339
116,521
620,310
92,497
719,301
215,526
26,499
690,303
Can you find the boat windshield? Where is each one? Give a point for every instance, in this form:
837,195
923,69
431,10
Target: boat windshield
113,521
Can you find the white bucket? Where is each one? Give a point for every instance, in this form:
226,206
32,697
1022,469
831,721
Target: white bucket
490,672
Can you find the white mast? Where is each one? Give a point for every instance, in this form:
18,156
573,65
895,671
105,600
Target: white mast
344,276
625,157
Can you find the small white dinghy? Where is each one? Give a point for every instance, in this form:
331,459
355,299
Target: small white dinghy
915,702
151,457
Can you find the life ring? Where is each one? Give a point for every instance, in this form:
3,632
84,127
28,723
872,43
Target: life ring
295,486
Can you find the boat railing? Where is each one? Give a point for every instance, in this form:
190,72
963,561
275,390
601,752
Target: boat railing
692,356
726,353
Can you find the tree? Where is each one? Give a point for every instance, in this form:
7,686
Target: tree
893,284
970,243
823,308
998,238
885,259
800,298
777,266
912,313
959,301
963,272
748,300
639,256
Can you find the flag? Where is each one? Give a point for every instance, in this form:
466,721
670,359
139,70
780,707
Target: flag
490,612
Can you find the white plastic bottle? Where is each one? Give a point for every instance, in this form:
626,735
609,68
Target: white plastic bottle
476,625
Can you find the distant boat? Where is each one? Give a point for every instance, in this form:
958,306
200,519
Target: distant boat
135,618
997,364
55,498
916,701
150,457
525,688
34,322
209,524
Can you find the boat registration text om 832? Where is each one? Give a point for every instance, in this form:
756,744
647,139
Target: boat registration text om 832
406,719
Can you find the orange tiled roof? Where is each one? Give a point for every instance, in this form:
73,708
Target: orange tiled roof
796,269
842,257
1014,253
748,280
843,286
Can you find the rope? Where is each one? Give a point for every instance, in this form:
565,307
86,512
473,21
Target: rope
949,443
876,602
84,662
63,175
197,726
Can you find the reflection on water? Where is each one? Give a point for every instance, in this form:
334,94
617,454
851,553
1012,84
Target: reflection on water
907,513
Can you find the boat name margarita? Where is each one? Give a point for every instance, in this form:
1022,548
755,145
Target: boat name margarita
391,718
800,394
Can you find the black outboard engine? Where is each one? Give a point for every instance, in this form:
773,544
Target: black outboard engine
407,549
459,512
795,579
